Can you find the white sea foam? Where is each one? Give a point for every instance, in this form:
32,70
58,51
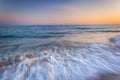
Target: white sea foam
56,63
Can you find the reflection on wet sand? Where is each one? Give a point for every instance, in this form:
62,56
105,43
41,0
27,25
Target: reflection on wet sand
90,37
110,77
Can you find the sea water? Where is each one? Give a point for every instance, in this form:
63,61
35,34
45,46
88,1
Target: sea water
59,52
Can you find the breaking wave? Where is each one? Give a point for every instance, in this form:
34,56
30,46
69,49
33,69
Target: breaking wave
83,62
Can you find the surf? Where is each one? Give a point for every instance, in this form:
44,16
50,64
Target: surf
64,61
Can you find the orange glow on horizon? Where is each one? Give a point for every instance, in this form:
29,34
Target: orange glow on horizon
71,18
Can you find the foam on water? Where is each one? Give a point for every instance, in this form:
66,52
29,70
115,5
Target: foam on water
58,63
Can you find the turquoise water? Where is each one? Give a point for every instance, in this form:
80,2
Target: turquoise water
53,31
58,52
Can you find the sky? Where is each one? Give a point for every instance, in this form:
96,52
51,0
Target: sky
60,11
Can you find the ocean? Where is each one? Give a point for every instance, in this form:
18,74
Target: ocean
59,52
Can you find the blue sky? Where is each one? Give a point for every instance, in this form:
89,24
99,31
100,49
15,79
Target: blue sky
33,4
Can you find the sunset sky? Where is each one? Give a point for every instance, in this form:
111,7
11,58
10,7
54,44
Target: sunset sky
60,11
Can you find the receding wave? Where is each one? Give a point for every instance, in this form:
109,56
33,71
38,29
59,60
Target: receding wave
66,62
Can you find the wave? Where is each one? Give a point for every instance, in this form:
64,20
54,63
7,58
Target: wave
15,36
104,31
35,35
65,62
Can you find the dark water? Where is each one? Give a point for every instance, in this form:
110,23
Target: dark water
59,52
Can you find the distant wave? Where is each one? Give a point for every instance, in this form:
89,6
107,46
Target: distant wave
34,35
66,62
15,36
105,31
